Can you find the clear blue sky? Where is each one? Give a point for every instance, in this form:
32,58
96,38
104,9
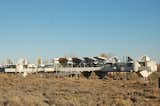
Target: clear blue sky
50,28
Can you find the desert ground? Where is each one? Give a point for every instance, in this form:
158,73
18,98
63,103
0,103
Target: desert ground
46,90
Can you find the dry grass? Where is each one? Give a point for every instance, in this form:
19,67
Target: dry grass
39,90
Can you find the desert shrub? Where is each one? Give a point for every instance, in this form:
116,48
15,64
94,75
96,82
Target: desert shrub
154,76
133,76
121,102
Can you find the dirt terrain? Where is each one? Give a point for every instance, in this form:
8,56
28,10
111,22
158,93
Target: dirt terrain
45,90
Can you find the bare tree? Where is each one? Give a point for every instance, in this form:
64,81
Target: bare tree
39,61
106,55
8,61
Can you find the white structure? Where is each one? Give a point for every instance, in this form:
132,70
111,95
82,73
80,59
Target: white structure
113,60
70,62
145,66
22,61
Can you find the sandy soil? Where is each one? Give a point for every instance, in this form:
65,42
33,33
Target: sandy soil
45,90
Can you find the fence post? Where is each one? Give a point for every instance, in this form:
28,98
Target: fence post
159,83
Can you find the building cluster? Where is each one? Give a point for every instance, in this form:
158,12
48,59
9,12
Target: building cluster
76,65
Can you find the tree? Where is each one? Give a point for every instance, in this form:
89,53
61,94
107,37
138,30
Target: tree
106,55
63,61
8,61
39,61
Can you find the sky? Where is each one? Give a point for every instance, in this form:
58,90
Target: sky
53,28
